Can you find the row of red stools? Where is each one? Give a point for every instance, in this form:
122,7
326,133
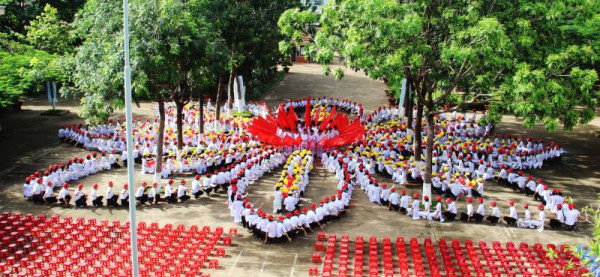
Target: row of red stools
458,259
40,246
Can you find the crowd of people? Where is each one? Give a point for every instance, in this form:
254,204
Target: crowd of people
226,159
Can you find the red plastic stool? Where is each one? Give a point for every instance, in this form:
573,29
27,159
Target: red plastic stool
227,241
233,232
213,264
313,271
316,258
319,246
220,252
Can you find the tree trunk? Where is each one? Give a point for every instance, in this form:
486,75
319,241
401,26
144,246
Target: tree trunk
239,88
428,155
179,105
408,111
161,138
218,101
230,93
418,132
201,113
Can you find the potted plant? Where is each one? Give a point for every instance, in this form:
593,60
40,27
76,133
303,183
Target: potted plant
286,63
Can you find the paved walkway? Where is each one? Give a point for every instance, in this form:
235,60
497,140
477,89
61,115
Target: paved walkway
29,143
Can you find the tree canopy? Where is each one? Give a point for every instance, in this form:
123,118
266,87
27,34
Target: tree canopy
531,58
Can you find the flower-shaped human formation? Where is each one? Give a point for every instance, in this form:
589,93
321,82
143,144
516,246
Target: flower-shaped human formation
318,128
234,153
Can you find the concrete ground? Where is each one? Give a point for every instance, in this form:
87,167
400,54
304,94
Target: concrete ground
29,143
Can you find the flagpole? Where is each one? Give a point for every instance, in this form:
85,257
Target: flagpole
129,135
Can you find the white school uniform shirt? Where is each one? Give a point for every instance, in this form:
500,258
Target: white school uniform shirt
571,216
181,190
452,207
469,209
152,192
63,193
560,216
94,194
394,198
290,203
496,212
481,209
195,186
124,194
48,192
513,213
77,194
404,201
415,209
109,193
168,190
140,192
27,189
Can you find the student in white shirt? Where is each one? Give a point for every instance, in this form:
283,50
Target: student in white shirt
96,200
153,194
181,192
49,194
466,216
496,214
111,198
539,223
140,194
556,223
196,185
571,217
63,196
513,216
451,211
124,196
169,193
79,197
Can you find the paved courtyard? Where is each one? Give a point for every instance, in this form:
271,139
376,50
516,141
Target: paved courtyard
29,143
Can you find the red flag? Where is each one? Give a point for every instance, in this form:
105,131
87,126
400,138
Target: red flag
316,117
292,119
307,113
281,118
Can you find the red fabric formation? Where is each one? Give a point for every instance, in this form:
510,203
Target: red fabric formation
265,129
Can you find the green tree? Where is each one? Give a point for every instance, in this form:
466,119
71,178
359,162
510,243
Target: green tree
22,69
249,30
443,48
48,33
19,13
